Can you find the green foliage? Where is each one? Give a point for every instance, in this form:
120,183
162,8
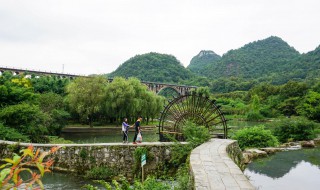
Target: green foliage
26,119
29,113
270,60
151,183
195,135
203,91
11,134
254,116
58,140
293,89
99,173
130,98
52,84
256,59
138,152
183,179
294,129
254,112
199,62
255,137
153,67
310,106
85,96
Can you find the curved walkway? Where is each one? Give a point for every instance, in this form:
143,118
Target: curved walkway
212,168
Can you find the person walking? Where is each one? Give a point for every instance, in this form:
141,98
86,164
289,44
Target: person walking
125,129
137,128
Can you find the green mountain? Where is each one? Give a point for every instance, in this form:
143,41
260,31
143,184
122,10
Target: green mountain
199,62
309,64
153,67
255,60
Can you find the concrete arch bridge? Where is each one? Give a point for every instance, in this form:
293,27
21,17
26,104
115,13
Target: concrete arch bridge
152,86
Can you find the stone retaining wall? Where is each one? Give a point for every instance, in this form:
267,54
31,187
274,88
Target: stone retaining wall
82,157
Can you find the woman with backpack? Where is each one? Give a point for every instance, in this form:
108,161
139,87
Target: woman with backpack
125,129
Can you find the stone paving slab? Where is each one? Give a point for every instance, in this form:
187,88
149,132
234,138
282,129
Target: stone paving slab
213,169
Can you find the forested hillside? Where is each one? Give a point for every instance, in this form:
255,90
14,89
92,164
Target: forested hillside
199,62
153,67
270,60
256,59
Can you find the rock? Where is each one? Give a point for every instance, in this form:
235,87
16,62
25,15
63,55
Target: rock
247,157
308,144
285,145
271,150
255,153
317,141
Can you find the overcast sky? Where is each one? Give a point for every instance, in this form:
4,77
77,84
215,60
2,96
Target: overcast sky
97,36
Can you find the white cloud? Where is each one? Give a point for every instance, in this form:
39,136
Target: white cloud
97,36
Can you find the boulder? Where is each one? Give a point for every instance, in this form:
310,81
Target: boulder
271,150
247,157
308,144
317,141
256,153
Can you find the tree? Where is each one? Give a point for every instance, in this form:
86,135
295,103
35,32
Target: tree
131,98
86,96
27,119
53,105
310,106
119,99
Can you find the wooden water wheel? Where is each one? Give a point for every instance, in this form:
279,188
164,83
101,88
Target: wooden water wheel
195,108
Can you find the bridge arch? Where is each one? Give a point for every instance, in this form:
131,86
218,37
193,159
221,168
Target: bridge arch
169,87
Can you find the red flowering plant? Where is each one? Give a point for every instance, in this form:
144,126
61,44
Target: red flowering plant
10,171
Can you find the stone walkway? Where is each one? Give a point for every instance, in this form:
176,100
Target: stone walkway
213,169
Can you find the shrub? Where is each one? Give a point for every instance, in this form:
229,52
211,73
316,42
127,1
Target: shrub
254,116
294,129
151,183
11,169
10,134
195,134
27,119
256,136
99,173
58,140
183,179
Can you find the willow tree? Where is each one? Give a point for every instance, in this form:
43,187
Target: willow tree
130,98
86,96
119,98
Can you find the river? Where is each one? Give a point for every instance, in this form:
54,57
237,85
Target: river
108,137
294,170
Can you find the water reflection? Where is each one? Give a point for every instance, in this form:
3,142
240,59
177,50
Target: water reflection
107,137
299,169
56,181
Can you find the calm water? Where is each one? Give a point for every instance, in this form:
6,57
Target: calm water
294,170
63,181
107,137
60,181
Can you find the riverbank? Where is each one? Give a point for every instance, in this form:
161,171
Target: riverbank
250,154
294,169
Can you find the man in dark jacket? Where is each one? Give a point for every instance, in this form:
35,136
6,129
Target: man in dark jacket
137,129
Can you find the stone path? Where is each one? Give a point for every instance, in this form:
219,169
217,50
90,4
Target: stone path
213,169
